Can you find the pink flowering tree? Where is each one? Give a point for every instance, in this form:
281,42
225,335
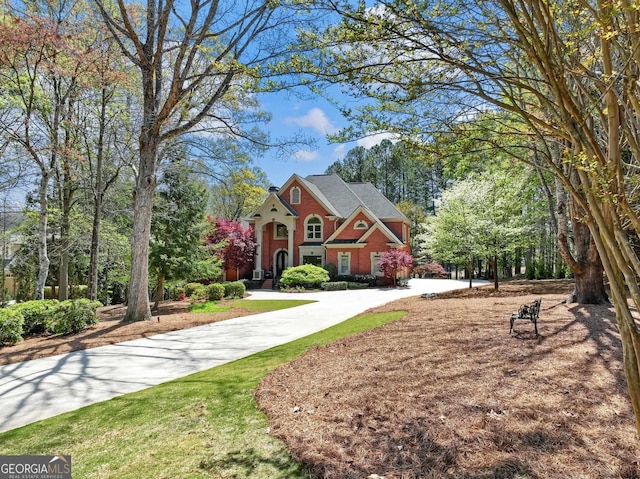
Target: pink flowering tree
393,261
234,244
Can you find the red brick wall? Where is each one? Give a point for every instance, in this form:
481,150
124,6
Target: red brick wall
308,206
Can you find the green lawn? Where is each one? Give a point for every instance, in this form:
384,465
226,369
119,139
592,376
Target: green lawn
203,425
250,304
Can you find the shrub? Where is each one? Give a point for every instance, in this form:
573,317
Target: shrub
332,269
11,322
235,289
178,294
38,315
73,316
79,291
334,285
307,276
215,292
354,285
191,289
430,270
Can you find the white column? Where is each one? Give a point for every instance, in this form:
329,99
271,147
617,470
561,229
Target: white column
257,272
291,228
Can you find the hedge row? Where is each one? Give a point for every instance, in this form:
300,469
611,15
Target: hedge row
213,291
46,316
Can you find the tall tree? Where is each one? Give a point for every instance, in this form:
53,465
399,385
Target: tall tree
195,61
478,218
567,70
34,52
177,248
239,192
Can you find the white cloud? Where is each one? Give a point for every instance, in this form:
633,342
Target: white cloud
375,138
315,119
305,155
339,151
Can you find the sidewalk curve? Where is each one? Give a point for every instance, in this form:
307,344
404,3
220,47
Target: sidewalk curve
42,388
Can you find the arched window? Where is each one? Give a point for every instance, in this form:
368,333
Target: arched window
360,225
313,229
295,195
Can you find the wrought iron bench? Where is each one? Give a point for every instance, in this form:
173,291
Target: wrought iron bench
529,311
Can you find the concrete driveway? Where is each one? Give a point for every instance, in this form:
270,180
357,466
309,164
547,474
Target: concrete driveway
41,388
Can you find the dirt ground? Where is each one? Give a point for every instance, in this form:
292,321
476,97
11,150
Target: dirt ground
171,316
446,392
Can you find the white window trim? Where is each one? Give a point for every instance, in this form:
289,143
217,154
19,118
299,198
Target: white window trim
293,190
275,231
360,225
306,233
340,256
375,268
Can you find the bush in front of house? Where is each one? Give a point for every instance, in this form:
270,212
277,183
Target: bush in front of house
332,269
38,315
73,316
234,289
306,276
11,322
334,286
355,285
215,292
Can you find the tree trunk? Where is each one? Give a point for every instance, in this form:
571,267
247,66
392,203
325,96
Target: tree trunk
138,298
159,291
65,241
98,194
585,263
43,257
95,248
494,262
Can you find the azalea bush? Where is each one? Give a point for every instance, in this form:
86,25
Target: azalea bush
39,316
215,292
306,276
75,316
234,289
11,322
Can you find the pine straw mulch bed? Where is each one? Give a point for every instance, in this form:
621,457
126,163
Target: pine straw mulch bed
445,392
170,316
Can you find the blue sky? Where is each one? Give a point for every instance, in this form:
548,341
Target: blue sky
315,118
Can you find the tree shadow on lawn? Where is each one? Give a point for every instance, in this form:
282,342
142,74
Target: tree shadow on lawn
446,393
253,463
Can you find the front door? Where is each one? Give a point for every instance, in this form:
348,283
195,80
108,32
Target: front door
281,261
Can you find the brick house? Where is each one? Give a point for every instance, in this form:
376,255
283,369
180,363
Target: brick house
321,219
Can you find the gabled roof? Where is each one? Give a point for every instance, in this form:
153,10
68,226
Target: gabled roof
376,225
274,199
345,198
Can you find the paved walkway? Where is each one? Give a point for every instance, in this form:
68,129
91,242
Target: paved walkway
41,388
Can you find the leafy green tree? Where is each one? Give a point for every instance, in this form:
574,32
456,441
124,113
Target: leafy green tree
177,250
238,193
478,218
198,64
